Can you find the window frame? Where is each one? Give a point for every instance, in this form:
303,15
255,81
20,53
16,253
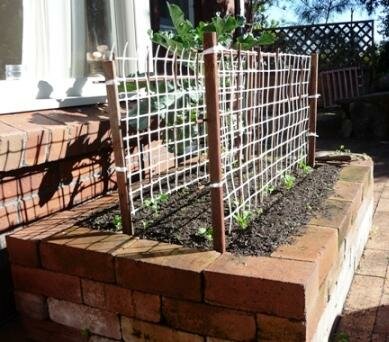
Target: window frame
24,95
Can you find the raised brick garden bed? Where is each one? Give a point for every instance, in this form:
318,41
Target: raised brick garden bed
79,284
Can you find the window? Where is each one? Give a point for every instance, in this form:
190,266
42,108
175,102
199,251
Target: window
52,49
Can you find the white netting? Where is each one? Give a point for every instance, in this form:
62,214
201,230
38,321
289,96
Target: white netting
264,111
264,123
164,131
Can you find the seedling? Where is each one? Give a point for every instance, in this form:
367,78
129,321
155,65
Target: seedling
304,167
342,337
288,181
270,189
243,219
205,232
155,203
146,224
85,332
117,222
343,149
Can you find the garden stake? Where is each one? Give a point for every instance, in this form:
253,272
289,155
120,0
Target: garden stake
214,142
313,95
117,144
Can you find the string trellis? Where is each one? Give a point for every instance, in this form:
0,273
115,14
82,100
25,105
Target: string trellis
264,113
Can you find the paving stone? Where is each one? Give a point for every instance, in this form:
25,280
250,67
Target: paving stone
365,293
385,191
382,321
383,205
373,263
364,320
379,235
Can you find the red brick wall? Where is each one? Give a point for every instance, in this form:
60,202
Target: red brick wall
51,160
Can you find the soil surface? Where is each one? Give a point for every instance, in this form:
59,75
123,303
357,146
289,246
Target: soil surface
184,218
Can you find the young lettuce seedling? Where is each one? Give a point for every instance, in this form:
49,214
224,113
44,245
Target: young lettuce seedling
155,203
304,167
288,181
243,218
117,222
205,232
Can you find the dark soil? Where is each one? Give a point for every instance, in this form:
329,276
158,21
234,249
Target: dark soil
284,215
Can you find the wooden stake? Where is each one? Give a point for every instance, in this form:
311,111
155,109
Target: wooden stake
313,91
117,145
214,141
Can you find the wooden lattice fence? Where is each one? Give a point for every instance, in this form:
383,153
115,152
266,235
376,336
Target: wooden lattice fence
339,44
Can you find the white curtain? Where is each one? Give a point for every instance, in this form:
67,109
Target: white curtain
132,23
54,34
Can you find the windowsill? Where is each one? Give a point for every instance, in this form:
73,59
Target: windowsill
33,138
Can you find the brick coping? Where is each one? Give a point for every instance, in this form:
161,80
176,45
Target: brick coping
230,297
49,135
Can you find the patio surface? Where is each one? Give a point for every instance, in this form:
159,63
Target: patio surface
366,313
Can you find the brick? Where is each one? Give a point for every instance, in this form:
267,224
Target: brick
215,339
335,214
373,263
31,305
275,286
76,258
209,320
271,328
82,317
37,330
8,188
8,216
357,174
134,330
23,245
316,244
46,283
123,301
12,142
347,191
161,268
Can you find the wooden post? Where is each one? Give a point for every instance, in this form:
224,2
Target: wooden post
214,141
313,91
117,144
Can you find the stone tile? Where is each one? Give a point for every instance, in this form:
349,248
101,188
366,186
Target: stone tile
385,192
382,321
383,205
365,293
373,263
363,320
380,338
379,236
